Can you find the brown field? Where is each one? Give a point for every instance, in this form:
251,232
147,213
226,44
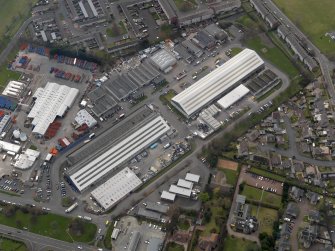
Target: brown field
227,164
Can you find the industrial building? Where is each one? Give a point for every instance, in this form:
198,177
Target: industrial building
114,147
9,147
4,121
83,117
192,177
134,240
218,82
185,184
116,188
163,60
168,196
184,192
14,89
50,102
121,86
26,159
233,96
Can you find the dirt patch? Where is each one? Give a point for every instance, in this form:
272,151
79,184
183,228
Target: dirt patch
227,164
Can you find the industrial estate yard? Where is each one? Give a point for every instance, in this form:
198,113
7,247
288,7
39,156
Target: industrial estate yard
167,125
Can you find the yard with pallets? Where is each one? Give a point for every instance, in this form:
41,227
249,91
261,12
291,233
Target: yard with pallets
314,18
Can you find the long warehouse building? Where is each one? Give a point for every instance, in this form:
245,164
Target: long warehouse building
107,152
218,82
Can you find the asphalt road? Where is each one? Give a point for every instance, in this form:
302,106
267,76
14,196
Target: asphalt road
37,242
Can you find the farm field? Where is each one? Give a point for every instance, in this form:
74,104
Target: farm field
314,18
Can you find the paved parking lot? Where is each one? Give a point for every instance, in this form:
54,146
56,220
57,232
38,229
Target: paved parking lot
128,225
11,184
262,182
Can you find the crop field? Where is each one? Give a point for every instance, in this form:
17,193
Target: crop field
314,18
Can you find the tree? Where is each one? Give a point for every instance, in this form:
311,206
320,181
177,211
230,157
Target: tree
204,197
241,187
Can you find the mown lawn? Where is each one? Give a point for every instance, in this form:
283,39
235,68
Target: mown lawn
236,244
274,55
11,245
314,18
171,246
253,193
266,218
231,176
7,75
51,225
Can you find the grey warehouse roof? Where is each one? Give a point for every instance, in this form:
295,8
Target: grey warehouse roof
163,59
217,82
114,189
115,146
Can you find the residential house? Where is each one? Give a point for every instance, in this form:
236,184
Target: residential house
314,216
296,193
308,235
292,210
312,197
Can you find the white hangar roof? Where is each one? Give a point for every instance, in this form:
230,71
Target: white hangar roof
217,82
114,189
51,101
233,96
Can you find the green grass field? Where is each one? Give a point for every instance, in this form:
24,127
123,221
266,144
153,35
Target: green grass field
266,218
171,246
54,226
274,55
314,18
253,193
236,244
7,75
231,176
11,245
183,224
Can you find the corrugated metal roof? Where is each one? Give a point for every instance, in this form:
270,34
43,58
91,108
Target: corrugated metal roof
217,82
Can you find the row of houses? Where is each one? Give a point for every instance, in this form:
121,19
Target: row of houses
285,33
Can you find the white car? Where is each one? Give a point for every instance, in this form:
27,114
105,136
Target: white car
80,247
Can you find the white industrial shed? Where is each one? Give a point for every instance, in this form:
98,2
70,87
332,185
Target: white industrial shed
163,60
168,196
180,191
233,96
218,82
185,184
9,147
117,187
125,147
51,101
14,89
192,177
83,117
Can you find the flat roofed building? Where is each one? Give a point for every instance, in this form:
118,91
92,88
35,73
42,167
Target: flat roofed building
168,196
83,117
233,96
185,184
192,177
218,82
115,146
50,102
116,188
163,60
9,147
180,191
157,207
135,238
149,214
